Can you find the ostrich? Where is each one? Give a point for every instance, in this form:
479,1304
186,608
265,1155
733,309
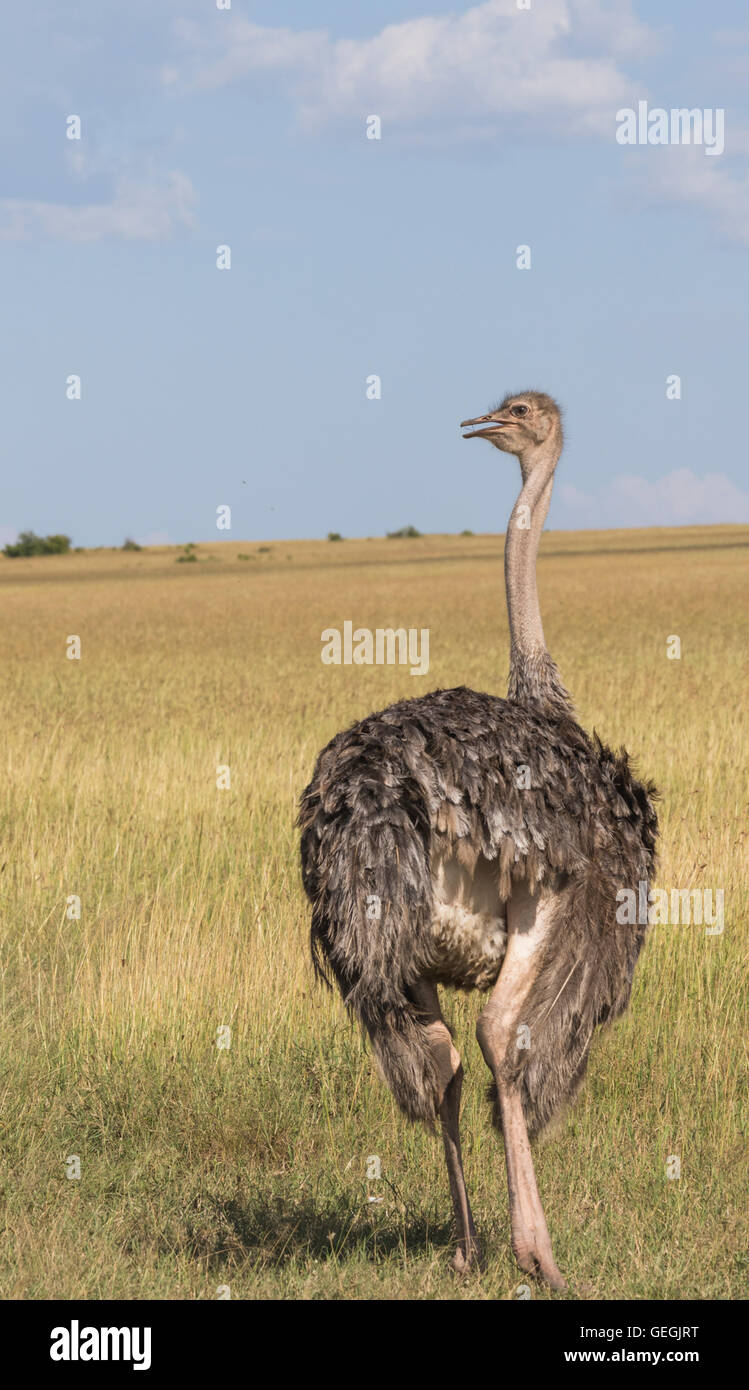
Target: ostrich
466,840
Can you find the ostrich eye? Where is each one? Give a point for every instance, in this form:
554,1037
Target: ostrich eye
519,410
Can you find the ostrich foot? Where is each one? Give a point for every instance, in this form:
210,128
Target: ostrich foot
468,1258
534,1257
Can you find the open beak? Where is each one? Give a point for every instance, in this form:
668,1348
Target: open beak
494,424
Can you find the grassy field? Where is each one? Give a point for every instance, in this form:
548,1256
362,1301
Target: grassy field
246,1166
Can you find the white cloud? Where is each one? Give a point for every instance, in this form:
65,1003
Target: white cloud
616,28
682,174
139,211
489,62
554,69
680,498
156,538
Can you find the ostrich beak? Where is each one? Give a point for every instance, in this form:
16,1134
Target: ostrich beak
495,423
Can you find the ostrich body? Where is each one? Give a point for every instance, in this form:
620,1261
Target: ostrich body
466,840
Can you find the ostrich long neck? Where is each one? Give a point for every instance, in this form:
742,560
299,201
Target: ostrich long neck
533,676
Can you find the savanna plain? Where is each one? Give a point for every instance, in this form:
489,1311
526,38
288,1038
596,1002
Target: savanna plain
246,1165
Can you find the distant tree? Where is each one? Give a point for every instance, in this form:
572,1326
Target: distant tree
56,545
131,545
466,533
29,543
334,536
405,533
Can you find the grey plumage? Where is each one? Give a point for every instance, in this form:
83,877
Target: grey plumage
392,792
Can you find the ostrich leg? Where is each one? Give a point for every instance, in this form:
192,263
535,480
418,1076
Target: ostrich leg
468,1253
528,921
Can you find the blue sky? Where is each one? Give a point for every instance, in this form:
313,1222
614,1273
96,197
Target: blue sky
352,257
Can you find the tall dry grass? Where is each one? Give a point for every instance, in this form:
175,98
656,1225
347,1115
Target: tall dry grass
247,1166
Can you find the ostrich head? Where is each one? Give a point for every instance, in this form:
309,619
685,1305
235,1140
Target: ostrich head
526,424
